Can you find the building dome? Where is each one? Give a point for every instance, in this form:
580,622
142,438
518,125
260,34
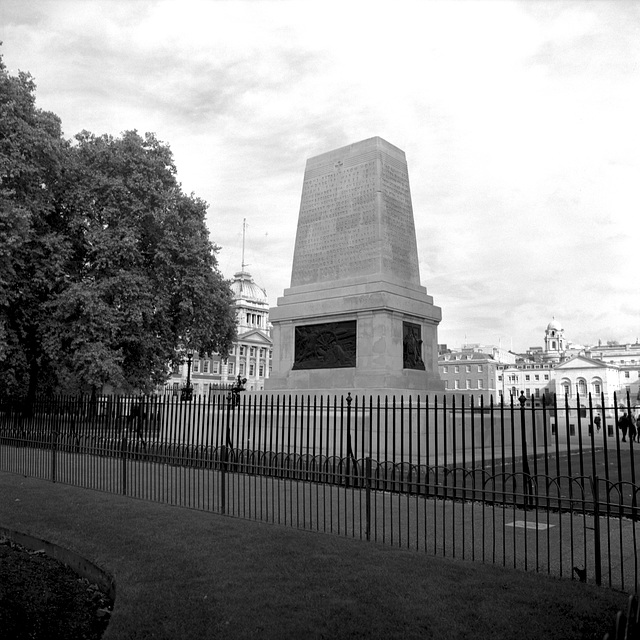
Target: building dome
244,288
554,325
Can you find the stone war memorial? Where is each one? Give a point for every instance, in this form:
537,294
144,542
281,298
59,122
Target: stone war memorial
356,318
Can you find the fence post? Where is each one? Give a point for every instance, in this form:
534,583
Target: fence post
597,552
223,479
54,438
349,449
224,457
367,474
124,462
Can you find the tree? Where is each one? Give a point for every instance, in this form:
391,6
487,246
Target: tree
107,266
32,229
143,276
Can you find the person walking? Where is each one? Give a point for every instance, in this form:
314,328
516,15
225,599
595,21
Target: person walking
633,428
623,425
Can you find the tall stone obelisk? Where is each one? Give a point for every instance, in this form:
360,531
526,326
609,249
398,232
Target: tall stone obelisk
356,317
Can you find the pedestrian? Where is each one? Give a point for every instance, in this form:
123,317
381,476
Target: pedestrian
633,428
596,421
623,425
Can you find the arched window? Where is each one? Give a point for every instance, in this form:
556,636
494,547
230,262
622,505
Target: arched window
566,386
582,387
596,387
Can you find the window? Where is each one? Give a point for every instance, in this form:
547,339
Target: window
499,378
468,368
252,351
468,384
445,369
216,366
626,374
456,369
231,369
241,368
196,366
261,371
527,392
480,368
205,366
251,369
527,377
546,376
537,393
243,350
537,376
480,384
456,384
597,388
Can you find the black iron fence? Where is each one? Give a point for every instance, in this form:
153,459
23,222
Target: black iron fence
550,488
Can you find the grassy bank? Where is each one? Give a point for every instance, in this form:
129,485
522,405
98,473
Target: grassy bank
187,574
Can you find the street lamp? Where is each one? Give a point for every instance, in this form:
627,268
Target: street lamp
234,392
528,484
187,390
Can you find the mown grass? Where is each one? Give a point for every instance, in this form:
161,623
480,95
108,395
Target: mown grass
186,574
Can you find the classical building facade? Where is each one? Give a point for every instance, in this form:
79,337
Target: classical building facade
250,356
580,376
556,368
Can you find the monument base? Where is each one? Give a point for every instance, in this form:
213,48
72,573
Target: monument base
380,312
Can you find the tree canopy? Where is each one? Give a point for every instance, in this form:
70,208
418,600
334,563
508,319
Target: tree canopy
106,266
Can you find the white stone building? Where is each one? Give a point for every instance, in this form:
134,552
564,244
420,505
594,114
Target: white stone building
580,376
250,356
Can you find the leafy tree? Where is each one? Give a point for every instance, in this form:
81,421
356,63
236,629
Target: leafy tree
143,273
32,229
106,265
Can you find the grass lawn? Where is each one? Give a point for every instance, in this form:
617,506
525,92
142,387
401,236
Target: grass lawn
182,573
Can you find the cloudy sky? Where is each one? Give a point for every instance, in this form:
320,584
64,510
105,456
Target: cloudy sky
520,121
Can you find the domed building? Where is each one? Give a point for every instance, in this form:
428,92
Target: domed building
250,355
251,303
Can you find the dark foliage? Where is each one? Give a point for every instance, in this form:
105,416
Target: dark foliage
106,266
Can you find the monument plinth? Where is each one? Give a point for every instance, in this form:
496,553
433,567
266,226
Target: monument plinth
356,317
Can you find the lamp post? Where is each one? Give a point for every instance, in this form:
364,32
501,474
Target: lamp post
234,393
187,390
528,485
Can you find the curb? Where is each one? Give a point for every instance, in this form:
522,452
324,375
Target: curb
80,565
